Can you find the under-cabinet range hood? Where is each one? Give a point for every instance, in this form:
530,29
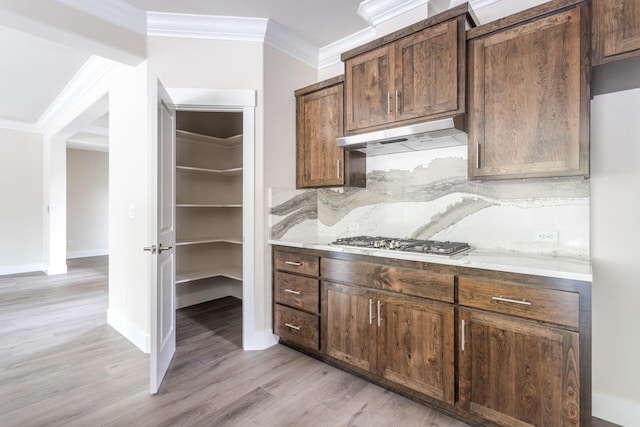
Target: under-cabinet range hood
422,136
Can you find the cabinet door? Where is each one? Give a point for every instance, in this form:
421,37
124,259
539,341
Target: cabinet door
368,87
426,73
617,29
320,162
529,100
514,372
416,345
349,324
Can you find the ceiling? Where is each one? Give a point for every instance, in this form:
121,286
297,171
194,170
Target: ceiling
36,69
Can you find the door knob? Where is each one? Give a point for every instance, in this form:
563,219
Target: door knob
163,248
151,249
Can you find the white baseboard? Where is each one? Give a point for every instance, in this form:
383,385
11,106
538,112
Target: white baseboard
259,340
615,410
129,331
56,269
89,253
22,268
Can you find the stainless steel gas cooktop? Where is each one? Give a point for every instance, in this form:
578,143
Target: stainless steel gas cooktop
405,245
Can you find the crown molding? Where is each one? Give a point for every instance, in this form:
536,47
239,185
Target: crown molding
376,12
117,12
191,26
19,126
93,70
330,54
282,38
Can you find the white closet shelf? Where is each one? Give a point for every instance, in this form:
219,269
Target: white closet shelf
232,272
208,205
221,172
200,240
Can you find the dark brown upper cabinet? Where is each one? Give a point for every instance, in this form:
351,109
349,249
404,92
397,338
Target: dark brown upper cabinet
616,30
529,77
319,121
412,75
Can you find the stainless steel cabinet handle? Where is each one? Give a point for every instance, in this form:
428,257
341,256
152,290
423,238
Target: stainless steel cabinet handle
291,291
370,311
478,155
378,313
513,301
397,101
297,264
338,169
289,325
388,103
462,336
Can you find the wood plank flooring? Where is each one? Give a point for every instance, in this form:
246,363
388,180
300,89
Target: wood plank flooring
62,365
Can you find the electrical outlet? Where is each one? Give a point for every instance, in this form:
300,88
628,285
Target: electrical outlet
546,236
353,226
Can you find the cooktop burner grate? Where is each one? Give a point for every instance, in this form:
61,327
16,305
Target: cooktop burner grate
404,245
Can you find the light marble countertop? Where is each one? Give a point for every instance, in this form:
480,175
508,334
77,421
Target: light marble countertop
548,266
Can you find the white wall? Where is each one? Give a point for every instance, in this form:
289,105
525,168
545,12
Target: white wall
87,203
615,233
282,75
130,112
21,206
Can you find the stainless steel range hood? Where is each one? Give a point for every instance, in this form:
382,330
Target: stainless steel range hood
422,136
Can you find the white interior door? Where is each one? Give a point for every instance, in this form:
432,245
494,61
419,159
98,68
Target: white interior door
163,295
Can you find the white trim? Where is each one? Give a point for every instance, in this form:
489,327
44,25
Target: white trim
116,12
56,269
128,330
194,99
330,54
615,410
88,253
287,41
260,340
212,27
19,126
21,268
376,12
93,70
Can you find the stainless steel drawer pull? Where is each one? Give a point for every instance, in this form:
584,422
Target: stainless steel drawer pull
291,291
289,325
514,301
297,264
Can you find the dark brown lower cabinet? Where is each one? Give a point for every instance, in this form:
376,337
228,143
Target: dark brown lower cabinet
518,373
488,347
405,340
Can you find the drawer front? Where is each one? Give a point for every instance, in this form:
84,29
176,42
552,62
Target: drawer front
296,326
296,291
296,262
547,305
406,281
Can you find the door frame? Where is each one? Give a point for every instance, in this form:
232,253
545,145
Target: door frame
215,100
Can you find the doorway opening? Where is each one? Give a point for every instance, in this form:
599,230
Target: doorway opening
209,218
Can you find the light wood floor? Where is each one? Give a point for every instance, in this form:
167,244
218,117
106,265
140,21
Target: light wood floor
62,365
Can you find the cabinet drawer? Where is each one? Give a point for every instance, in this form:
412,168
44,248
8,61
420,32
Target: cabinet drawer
406,281
296,262
296,326
296,291
547,305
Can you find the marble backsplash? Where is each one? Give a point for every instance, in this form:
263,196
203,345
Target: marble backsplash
426,195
